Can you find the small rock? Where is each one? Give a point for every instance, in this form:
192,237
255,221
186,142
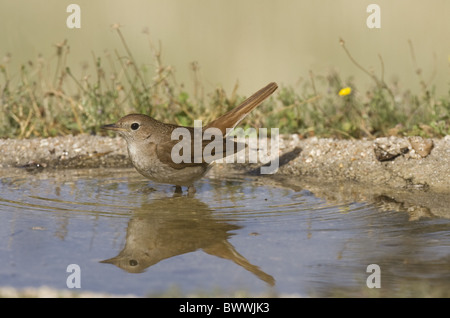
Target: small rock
421,146
389,148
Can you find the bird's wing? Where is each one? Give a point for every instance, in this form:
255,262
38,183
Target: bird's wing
183,153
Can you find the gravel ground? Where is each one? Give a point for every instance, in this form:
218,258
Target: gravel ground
401,163
49,292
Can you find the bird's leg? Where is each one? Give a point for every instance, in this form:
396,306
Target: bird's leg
191,190
178,190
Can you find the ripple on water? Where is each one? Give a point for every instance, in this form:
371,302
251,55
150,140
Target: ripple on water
235,232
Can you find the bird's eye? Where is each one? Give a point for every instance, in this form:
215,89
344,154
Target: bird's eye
133,262
134,126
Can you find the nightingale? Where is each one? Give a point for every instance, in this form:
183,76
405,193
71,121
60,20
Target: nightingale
150,144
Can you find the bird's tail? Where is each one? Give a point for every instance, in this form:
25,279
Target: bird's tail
234,116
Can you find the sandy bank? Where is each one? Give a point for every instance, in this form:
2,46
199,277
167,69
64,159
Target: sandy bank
402,163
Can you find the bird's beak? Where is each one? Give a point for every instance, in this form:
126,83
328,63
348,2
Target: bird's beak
113,127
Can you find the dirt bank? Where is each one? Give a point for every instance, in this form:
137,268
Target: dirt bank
401,163
406,163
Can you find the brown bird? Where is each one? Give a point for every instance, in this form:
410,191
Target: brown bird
150,144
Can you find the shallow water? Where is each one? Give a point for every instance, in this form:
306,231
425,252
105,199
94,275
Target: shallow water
240,234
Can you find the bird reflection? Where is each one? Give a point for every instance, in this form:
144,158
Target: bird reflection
169,227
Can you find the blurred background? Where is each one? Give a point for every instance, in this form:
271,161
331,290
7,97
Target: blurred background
250,41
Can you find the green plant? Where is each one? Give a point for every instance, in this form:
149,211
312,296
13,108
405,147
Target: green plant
49,98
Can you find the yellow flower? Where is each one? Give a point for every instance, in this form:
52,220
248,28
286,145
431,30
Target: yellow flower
345,91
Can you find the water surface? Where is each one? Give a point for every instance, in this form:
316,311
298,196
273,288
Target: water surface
237,234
